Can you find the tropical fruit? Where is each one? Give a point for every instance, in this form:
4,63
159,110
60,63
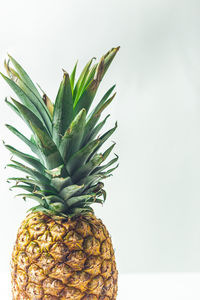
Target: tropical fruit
62,250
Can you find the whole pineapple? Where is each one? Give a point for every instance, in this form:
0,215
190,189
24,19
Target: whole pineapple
62,250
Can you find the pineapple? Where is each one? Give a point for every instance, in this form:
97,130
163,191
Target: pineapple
62,251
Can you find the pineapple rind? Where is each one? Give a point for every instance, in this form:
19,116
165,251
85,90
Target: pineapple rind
55,258
62,250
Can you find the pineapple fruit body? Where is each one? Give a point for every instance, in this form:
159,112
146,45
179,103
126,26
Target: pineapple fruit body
62,250
56,258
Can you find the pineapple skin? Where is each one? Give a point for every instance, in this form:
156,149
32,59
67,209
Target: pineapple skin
55,258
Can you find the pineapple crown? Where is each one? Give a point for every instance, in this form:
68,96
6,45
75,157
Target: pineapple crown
65,174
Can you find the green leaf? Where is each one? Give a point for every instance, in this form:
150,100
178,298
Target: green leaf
33,173
90,180
98,108
108,58
69,191
108,151
76,211
87,96
58,171
46,145
93,132
101,168
80,157
39,152
71,140
24,113
31,196
72,77
32,182
26,84
39,208
13,107
27,158
24,76
106,135
79,87
86,169
104,195
37,188
23,138
94,189
57,207
53,158
103,106
53,198
24,98
91,75
59,183
23,186
103,138
109,171
46,192
95,115
77,200
96,200
63,109
28,115
20,93
48,104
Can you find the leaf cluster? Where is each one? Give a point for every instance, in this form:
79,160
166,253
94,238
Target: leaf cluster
65,172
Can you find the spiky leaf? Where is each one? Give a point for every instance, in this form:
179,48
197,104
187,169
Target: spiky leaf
69,191
78,90
80,157
23,138
72,138
88,95
63,109
27,158
86,169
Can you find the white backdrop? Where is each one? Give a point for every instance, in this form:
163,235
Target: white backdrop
153,204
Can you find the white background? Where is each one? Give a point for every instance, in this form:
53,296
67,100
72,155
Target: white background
153,204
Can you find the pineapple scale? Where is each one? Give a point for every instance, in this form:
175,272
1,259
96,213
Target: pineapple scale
56,258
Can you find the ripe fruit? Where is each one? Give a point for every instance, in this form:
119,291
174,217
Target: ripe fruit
62,250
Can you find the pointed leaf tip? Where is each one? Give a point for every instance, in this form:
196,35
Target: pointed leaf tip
63,109
65,73
117,48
